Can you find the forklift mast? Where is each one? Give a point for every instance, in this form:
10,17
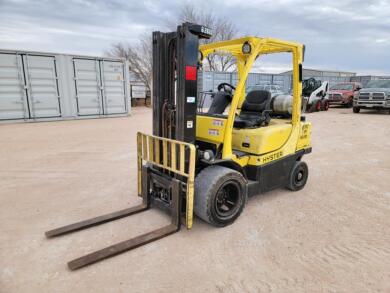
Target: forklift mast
175,65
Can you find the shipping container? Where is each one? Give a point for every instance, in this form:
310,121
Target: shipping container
138,91
38,86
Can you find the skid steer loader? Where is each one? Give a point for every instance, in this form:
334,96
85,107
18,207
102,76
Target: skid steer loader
315,96
209,161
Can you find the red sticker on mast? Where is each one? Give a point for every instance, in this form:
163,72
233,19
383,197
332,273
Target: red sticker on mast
191,72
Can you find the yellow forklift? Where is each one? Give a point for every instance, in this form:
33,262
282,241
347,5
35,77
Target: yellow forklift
207,159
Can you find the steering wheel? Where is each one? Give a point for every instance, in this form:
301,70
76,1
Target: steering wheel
227,87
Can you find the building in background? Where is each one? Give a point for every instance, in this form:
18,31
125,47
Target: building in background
332,76
364,79
308,73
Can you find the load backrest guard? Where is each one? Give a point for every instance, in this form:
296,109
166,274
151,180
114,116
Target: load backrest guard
173,156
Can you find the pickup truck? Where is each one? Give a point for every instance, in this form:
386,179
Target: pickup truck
375,95
343,93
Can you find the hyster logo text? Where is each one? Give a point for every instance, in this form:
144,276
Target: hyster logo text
272,157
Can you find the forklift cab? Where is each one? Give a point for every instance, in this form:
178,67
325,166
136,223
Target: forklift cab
255,110
240,125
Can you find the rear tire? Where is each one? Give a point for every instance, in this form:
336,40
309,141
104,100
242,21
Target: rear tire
298,176
317,106
356,110
325,105
220,195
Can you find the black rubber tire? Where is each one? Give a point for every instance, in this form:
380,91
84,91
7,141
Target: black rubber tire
298,176
313,107
324,105
210,185
356,110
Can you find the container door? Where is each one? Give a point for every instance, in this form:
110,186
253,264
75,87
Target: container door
88,87
113,82
42,87
13,99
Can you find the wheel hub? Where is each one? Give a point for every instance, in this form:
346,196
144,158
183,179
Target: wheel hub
227,200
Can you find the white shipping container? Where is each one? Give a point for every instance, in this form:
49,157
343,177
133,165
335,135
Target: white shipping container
44,86
138,91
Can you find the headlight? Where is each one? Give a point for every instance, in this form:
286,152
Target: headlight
208,155
246,48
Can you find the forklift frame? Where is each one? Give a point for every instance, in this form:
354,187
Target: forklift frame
167,160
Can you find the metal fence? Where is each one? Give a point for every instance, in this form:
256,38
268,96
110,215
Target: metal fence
365,79
209,80
331,79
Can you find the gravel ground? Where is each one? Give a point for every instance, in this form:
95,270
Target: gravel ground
333,236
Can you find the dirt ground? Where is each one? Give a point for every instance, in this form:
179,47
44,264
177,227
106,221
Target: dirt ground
333,236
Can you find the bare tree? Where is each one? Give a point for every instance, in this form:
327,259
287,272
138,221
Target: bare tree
139,57
223,29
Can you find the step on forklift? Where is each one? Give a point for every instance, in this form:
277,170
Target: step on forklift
207,161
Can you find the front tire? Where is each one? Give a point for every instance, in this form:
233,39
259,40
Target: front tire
219,195
298,176
356,110
315,106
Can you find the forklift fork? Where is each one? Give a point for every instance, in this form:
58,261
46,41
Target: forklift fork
130,243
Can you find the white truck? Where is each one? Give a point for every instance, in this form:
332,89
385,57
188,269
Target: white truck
375,95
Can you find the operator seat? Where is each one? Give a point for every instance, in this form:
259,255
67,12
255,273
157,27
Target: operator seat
220,101
255,110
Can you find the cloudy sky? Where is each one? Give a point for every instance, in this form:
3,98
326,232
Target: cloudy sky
338,34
